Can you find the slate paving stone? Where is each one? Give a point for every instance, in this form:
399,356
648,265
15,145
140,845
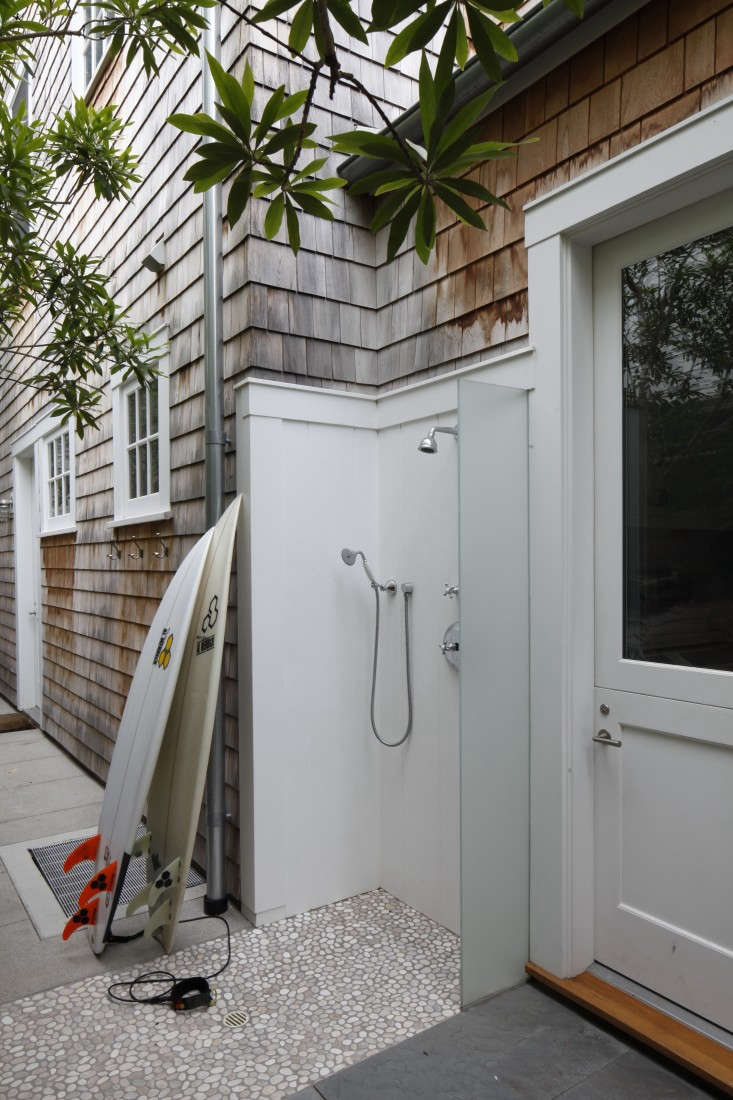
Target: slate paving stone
524,1044
400,1074
636,1074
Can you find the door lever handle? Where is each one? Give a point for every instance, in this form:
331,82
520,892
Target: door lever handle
603,737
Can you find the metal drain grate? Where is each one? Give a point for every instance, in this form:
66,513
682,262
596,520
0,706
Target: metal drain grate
236,1019
67,887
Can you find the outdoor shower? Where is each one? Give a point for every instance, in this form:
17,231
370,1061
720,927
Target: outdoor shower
429,445
349,557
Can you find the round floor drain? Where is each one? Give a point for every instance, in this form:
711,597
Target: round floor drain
236,1019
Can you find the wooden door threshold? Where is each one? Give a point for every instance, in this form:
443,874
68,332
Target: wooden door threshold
696,1052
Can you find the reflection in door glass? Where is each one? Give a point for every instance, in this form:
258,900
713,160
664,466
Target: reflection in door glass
678,455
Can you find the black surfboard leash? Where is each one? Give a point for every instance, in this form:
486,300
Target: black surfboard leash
181,994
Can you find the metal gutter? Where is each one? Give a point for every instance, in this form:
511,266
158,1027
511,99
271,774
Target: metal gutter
544,39
215,901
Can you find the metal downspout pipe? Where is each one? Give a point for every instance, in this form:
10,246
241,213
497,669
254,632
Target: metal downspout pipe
216,896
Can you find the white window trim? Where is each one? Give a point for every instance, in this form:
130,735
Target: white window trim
155,506
685,164
80,87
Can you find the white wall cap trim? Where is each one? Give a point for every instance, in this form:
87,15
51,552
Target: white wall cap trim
262,397
686,163
144,517
67,529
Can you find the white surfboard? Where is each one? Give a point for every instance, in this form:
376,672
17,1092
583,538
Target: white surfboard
136,749
177,786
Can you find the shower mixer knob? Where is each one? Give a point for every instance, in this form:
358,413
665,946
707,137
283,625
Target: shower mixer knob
450,590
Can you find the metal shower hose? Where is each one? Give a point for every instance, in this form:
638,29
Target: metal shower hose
406,734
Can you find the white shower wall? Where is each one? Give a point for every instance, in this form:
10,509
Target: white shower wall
419,782
326,811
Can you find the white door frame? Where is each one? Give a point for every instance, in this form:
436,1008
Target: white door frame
28,646
687,163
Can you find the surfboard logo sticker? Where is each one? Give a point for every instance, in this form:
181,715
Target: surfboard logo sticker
209,620
162,656
203,645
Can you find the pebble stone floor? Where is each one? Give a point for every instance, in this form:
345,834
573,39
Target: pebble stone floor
323,991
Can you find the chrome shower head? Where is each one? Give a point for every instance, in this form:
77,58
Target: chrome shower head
350,556
429,445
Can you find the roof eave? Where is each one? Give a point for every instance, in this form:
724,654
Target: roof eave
544,39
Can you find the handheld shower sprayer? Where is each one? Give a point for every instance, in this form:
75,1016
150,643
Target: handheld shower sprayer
349,557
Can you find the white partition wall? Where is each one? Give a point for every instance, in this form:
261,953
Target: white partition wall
494,751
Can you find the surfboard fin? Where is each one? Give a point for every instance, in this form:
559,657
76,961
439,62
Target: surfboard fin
84,916
140,899
100,883
86,850
151,891
158,918
141,846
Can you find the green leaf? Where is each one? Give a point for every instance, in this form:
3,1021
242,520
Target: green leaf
283,137
291,104
461,41
248,83
388,13
444,68
368,144
395,185
349,20
293,227
230,91
483,45
209,181
425,226
400,225
274,216
368,184
328,183
301,27
427,100
470,187
238,197
388,208
459,206
501,41
463,120
203,125
274,8
313,206
310,168
418,33
269,112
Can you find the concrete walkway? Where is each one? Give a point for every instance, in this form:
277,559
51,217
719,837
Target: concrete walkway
45,795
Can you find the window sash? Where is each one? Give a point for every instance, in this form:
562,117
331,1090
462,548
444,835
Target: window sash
58,478
142,442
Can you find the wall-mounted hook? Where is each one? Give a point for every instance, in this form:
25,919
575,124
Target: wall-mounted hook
140,551
116,550
163,552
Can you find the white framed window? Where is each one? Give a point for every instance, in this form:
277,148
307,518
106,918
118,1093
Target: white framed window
58,496
88,55
141,447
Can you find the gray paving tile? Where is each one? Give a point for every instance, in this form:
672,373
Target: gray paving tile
554,1059
306,1094
57,794
31,749
11,907
636,1074
21,774
400,1074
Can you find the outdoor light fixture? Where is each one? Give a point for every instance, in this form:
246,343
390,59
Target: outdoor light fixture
154,260
6,508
